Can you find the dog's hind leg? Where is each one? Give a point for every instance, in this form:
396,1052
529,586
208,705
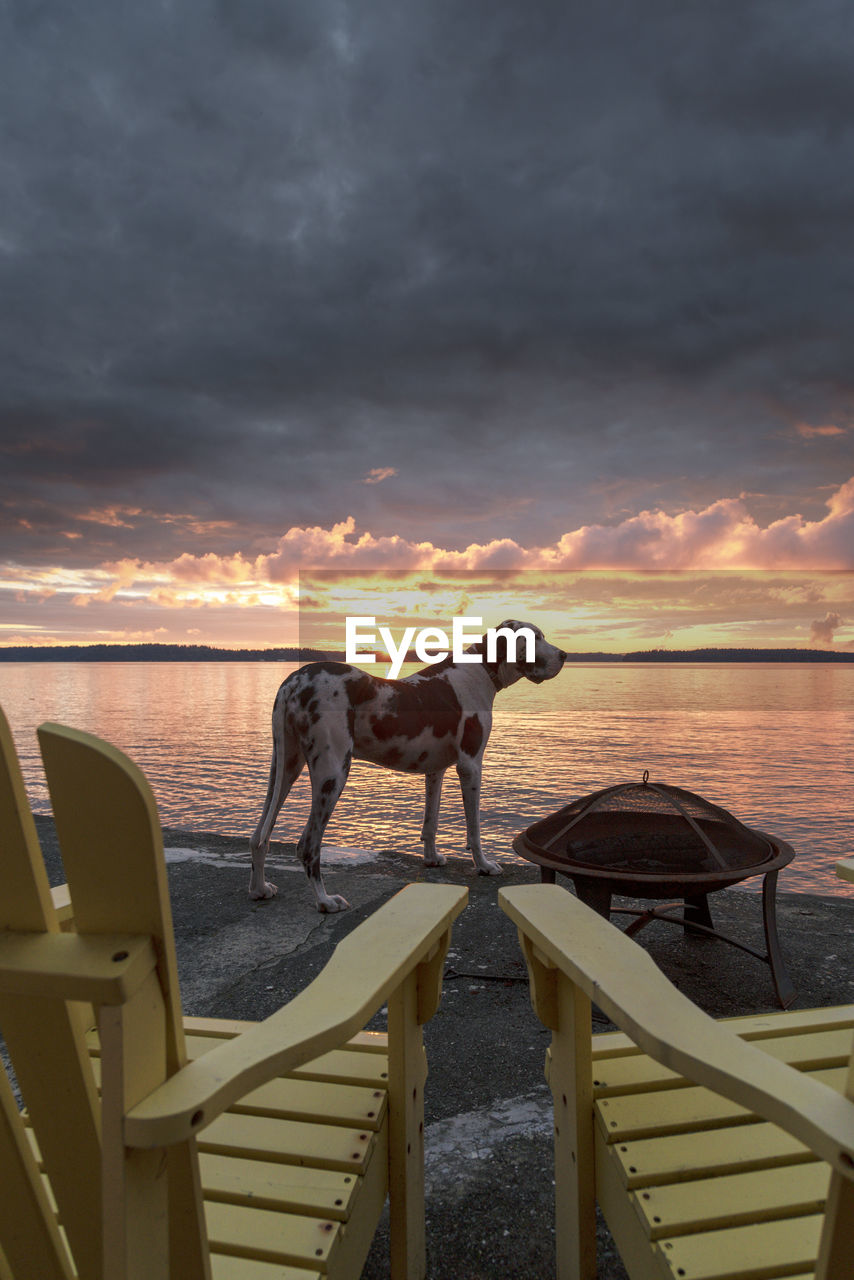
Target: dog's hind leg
329,774
285,767
433,794
468,771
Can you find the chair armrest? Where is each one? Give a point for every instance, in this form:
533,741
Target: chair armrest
409,932
622,979
103,969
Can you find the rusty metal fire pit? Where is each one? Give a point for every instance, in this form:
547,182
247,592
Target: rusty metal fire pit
651,841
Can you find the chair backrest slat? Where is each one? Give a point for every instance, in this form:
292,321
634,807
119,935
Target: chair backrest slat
46,1039
112,849
31,1240
112,852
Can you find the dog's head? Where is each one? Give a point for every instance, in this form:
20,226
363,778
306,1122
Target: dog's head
508,660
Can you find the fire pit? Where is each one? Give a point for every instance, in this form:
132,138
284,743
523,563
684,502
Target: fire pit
651,841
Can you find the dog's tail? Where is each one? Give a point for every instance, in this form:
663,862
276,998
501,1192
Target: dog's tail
286,765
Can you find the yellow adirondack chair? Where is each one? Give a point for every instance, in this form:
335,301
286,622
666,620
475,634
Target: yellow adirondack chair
710,1146
195,1148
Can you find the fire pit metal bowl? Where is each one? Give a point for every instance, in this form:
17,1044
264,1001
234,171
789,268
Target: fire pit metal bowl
652,841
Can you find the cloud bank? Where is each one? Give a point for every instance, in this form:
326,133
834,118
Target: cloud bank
721,536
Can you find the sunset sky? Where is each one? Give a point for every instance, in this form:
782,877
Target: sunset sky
387,285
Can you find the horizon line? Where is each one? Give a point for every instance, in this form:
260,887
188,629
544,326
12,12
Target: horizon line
177,651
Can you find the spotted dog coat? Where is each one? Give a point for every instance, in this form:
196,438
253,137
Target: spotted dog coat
328,713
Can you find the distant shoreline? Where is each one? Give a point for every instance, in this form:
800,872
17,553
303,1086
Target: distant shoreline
208,653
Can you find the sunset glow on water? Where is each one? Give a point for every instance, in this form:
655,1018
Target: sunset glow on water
773,743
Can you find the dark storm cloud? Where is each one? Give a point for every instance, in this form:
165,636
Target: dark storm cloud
250,253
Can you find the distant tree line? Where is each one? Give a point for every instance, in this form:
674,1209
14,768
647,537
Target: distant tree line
208,653
156,653
740,655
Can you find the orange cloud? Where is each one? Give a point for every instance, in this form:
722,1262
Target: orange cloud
822,629
124,574
191,523
378,474
169,598
212,568
809,432
27,597
111,516
723,535
122,517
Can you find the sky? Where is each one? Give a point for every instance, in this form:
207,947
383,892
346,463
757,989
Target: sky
421,284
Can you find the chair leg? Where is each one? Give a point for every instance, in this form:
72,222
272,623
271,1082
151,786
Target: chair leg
571,1083
407,1074
566,1011
836,1250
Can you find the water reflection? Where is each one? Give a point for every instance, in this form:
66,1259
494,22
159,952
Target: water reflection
771,743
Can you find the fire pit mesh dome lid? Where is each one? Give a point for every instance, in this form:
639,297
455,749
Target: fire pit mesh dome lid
650,827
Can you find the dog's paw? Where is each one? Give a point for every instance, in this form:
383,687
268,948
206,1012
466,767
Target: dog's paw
331,903
489,868
434,859
269,891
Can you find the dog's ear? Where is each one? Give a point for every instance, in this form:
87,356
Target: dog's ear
502,649
502,645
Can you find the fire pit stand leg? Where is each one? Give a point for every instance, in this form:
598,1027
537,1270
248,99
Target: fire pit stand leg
783,984
594,894
697,911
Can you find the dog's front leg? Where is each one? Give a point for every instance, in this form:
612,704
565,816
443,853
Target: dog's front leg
433,794
468,772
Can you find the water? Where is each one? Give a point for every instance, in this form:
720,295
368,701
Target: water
772,743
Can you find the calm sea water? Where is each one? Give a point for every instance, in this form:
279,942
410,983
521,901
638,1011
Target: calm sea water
772,743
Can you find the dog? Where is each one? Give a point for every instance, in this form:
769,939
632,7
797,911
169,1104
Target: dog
328,714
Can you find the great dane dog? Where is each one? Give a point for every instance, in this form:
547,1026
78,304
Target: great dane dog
329,714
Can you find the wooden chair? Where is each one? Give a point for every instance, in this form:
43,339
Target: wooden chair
160,1146
710,1146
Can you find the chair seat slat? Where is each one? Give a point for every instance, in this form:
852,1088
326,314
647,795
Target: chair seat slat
294,1098
296,1188
756,1252
685,1156
683,1108
807,1051
224,1267
754,1026
734,1199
